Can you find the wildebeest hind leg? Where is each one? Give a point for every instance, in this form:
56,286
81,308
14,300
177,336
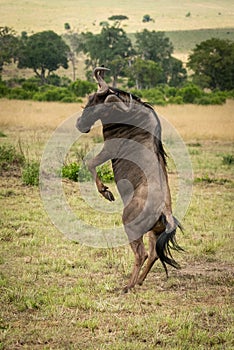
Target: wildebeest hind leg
140,257
152,256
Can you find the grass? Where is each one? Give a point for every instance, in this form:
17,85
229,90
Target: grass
24,15
59,294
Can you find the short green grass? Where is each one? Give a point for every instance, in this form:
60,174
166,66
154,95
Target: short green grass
60,294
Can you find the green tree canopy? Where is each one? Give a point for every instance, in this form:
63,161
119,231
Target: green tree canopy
43,52
111,47
8,46
174,72
213,64
154,46
145,73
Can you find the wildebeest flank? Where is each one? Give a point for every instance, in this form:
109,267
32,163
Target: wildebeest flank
132,140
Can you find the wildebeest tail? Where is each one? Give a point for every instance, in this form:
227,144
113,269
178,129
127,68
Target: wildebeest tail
165,243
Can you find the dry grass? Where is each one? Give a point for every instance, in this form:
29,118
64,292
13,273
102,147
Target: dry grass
56,294
192,122
86,15
201,122
34,115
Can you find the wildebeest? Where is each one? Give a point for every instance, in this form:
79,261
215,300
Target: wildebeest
132,140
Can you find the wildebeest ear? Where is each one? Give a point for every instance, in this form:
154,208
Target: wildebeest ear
117,103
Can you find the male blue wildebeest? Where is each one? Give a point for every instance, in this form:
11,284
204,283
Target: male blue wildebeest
132,140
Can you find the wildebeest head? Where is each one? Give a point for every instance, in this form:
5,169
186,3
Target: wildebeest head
101,104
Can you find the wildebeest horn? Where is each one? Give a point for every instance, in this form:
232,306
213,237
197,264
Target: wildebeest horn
99,74
121,104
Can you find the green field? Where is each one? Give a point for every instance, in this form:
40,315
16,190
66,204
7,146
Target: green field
185,41
59,294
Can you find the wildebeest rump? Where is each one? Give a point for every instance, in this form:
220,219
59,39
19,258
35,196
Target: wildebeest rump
132,140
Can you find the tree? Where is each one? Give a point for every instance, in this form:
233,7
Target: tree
111,47
147,18
154,46
74,41
43,52
8,46
145,73
174,72
213,64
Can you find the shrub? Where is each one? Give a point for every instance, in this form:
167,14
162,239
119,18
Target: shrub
56,80
105,172
10,158
228,159
170,91
147,18
30,85
155,96
52,93
76,172
230,94
189,93
19,94
137,92
178,100
3,89
81,88
30,173
211,99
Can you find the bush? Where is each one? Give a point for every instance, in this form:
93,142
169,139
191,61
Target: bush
30,86
230,94
214,98
76,172
30,173
3,89
228,159
10,158
178,100
155,96
19,94
56,80
51,93
170,91
105,173
190,93
81,88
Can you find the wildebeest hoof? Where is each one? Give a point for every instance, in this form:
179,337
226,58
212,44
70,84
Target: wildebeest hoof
125,290
108,194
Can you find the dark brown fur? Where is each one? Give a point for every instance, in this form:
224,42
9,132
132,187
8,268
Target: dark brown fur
132,140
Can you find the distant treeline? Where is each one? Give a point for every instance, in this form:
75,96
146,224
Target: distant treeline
145,65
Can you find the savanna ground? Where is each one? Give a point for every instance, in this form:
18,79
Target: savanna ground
60,294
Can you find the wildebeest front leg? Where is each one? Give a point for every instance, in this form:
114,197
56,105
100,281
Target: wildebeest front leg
140,257
101,158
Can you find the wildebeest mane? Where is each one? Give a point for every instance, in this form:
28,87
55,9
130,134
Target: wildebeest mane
158,138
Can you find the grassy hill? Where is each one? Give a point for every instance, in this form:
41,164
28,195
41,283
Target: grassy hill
34,15
186,24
